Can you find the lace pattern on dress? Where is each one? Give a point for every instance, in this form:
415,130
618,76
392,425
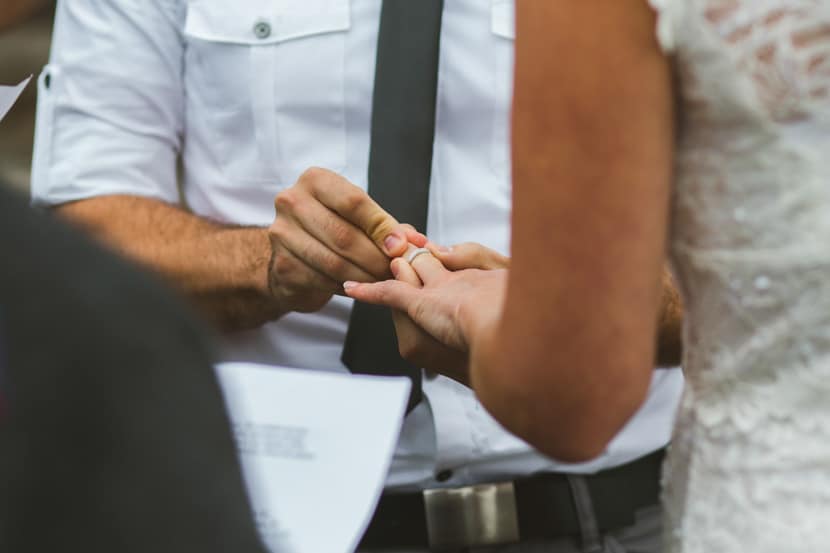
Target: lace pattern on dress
750,463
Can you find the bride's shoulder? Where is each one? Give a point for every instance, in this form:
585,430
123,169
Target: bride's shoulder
682,22
668,14
675,17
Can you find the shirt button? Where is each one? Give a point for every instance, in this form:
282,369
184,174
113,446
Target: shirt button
444,475
262,30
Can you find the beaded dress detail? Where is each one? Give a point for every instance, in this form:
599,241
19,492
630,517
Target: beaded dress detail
749,468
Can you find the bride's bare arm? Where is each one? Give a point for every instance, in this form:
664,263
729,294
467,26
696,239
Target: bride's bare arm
563,345
571,358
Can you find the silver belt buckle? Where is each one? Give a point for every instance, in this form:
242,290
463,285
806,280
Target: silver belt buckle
471,516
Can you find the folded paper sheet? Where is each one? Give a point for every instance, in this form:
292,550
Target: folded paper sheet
315,450
9,95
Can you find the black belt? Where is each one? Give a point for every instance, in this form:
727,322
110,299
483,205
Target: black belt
536,507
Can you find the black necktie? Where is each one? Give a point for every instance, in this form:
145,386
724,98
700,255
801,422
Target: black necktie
400,161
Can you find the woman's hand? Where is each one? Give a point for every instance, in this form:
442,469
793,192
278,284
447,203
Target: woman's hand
419,347
449,305
469,255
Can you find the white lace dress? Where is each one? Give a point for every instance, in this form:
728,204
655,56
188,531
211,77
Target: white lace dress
749,469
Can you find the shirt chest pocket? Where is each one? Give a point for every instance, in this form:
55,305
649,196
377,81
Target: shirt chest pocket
265,81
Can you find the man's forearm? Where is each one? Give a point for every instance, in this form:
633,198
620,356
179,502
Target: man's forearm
222,269
670,325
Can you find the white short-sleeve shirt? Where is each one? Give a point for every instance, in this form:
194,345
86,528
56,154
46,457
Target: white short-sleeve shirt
252,92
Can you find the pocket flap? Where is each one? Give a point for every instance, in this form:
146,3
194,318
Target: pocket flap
503,18
264,21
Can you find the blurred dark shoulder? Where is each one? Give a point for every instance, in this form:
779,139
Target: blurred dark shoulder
56,276
115,436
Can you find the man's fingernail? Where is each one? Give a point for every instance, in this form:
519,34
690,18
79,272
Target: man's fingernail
392,242
394,268
349,284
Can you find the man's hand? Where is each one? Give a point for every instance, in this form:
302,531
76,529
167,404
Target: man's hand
328,231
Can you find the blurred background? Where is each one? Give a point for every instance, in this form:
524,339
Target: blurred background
25,32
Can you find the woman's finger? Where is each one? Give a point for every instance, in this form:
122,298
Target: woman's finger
404,272
469,255
392,293
426,265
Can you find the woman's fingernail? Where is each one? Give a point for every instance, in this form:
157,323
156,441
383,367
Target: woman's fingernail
394,268
441,249
392,242
349,284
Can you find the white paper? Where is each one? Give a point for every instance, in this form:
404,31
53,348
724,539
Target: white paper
9,95
315,450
